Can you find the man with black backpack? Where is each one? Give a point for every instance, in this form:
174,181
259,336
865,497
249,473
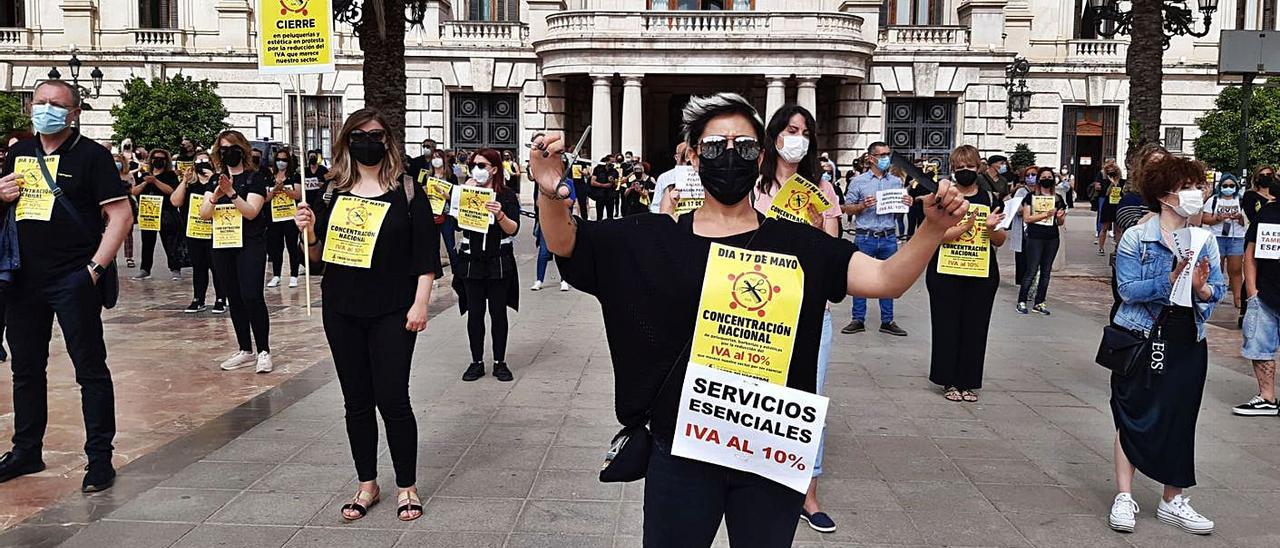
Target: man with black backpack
63,186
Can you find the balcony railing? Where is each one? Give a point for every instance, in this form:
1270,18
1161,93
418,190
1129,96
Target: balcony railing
484,34
15,37
1097,51
572,24
925,38
159,38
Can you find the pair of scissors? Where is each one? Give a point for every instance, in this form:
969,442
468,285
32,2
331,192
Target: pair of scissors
570,158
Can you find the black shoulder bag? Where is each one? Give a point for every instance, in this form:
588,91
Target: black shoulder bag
1121,349
109,283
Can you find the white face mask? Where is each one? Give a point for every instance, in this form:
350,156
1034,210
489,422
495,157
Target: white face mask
437,163
794,148
1189,202
480,174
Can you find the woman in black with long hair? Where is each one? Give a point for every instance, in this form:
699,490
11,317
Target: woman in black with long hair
282,234
160,182
199,234
485,274
441,167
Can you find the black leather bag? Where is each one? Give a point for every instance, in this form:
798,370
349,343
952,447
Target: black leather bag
628,456
1121,349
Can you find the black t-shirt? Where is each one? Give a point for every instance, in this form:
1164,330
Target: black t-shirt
650,318
408,246
1108,208
1251,203
1039,231
631,200
604,174
87,175
983,197
1268,272
314,195
493,259
1130,211
168,212
246,183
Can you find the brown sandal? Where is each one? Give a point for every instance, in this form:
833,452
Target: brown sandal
409,502
361,503
969,396
952,393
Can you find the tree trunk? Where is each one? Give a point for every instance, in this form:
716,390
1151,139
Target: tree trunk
1144,66
382,31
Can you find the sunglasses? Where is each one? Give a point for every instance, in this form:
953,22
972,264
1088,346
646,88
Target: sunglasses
712,147
484,165
362,136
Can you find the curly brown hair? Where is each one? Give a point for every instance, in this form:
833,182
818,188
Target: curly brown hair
1166,175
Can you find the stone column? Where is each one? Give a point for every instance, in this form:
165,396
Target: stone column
776,96
807,93
233,24
632,114
601,115
77,24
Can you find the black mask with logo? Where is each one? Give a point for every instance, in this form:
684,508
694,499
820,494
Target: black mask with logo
729,177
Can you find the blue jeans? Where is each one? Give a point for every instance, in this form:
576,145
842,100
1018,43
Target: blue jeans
824,356
544,256
882,248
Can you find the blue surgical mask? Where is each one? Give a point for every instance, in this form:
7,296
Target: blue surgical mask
882,163
826,176
1003,169
48,119
119,166
1228,191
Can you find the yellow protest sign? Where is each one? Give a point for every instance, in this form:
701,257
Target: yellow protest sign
35,200
1210,176
1113,195
295,36
438,191
353,230
577,172
1043,204
798,201
970,255
467,206
748,312
227,225
283,208
198,228
183,166
149,206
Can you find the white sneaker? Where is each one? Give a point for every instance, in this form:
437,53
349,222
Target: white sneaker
264,362
564,286
537,284
293,281
1178,513
275,282
1124,513
238,360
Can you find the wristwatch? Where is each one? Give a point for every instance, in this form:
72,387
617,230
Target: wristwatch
97,269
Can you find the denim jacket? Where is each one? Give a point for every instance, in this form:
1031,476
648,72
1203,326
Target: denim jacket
1143,265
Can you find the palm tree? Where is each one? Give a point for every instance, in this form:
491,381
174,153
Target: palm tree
1144,65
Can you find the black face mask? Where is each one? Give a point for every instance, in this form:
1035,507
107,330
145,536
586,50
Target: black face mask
159,163
1046,181
966,177
204,167
368,153
232,156
315,160
1271,183
729,177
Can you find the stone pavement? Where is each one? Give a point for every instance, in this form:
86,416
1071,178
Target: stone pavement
514,464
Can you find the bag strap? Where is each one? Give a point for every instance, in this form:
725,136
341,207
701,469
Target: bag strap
60,197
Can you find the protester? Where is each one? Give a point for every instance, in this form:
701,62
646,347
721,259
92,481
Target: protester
241,264
448,226
581,174
1040,242
512,171
960,303
639,191
196,182
160,181
485,275
1263,192
1067,187
992,178
126,183
1222,215
1112,188
372,314
63,261
603,180
683,157
1017,235
282,234
544,254
186,151
874,232
1261,322
686,500
1155,410
792,131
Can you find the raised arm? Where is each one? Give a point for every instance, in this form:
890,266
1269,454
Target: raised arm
546,168
892,277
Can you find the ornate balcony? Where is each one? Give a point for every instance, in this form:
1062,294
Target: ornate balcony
15,37
931,38
158,39
1095,52
484,34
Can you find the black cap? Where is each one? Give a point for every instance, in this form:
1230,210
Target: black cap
996,158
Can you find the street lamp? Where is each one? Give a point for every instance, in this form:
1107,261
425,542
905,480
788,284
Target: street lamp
1178,18
74,64
1019,100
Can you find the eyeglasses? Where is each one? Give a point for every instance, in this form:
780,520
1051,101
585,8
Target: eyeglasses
713,146
483,165
373,136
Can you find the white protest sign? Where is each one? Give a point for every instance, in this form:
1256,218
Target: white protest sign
1012,209
749,425
1187,243
1268,244
690,187
891,201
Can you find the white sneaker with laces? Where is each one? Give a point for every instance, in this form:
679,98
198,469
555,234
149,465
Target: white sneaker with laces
564,286
275,282
238,360
1124,513
264,362
1178,513
293,281
537,284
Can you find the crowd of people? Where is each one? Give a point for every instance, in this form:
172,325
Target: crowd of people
372,217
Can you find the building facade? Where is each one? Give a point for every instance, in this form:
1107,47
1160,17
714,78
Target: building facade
923,75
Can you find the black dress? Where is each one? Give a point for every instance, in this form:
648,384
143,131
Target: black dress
960,314
1155,415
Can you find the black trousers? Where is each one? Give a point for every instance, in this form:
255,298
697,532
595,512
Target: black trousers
1019,265
960,314
490,294
684,501
75,302
1039,256
241,271
373,358
282,236
604,205
581,191
201,253
168,239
